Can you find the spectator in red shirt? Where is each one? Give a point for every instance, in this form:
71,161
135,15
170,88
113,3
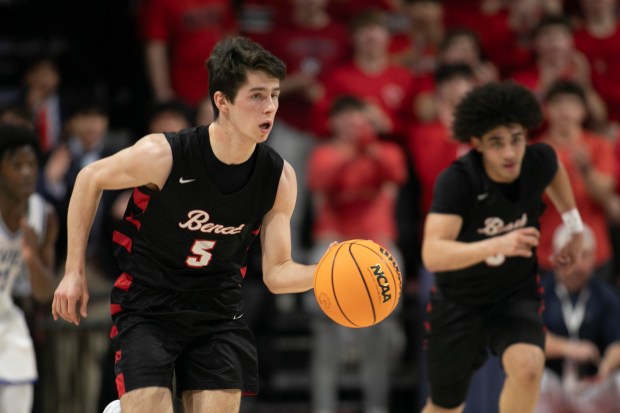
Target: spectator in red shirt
557,59
177,34
599,40
354,180
500,23
590,164
459,46
430,144
311,43
385,87
417,48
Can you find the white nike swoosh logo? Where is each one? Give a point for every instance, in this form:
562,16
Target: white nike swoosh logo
482,197
186,181
238,316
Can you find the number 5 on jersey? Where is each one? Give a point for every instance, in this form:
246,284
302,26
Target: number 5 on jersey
201,253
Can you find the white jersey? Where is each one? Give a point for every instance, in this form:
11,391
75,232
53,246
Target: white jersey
17,357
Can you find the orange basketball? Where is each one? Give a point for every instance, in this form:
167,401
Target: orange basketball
357,283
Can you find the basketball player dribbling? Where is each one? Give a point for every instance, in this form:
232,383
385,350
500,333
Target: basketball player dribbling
479,240
200,197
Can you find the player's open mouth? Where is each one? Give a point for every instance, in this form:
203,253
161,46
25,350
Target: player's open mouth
265,126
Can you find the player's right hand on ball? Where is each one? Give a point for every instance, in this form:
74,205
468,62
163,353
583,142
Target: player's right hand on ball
518,243
72,289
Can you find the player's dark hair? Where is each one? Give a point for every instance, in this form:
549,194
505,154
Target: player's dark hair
346,103
232,59
448,71
486,107
565,87
13,137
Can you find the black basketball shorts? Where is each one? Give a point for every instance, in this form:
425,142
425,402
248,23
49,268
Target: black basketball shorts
458,337
158,334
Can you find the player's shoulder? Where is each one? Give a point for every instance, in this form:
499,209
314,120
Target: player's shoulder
540,152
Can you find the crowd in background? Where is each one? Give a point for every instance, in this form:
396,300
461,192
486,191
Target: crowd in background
364,118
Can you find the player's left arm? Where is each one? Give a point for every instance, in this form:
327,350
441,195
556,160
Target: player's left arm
561,194
40,256
280,273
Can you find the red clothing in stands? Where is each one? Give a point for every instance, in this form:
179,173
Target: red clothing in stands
602,155
354,200
312,52
432,150
391,90
190,28
499,43
604,57
345,10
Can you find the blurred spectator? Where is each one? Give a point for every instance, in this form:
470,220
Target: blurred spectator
599,40
463,46
589,162
459,46
204,112
169,116
27,236
17,115
417,49
582,373
354,179
344,9
500,23
177,33
385,87
43,99
557,59
431,145
88,138
311,43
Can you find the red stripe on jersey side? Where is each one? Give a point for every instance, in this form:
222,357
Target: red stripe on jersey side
113,331
243,270
120,385
134,221
256,231
123,281
115,309
117,356
122,240
141,199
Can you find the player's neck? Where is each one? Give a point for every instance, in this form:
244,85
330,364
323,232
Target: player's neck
228,146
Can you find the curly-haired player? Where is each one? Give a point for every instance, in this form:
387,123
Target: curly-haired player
479,240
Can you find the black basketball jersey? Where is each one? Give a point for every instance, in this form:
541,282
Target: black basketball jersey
490,209
190,236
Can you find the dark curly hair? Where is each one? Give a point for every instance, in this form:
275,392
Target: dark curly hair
495,104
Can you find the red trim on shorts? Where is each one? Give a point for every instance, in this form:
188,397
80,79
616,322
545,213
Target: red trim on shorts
140,199
249,393
113,331
256,231
115,309
120,385
123,281
134,221
122,240
117,356
243,270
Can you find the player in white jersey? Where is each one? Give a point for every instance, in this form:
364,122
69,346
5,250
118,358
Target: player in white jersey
28,229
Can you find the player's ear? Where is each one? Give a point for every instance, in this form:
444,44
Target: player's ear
221,101
476,143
